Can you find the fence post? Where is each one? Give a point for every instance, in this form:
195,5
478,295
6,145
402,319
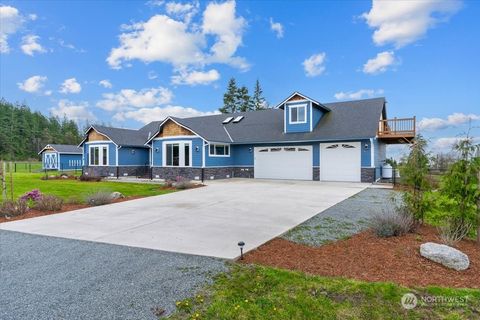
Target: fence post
11,181
3,172
15,166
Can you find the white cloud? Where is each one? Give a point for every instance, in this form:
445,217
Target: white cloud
32,16
70,86
315,65
128,99
155,3
184,11
182,43
453,120
276,27
73,111
146,115
380,63
404,22
152,75
196,77
11,21
219,20
105,83
33,84
159,39
30,45
360,94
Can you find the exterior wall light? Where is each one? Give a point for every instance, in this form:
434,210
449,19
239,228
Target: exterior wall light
250,150
241,244
133,151
366,146
197,148
157,150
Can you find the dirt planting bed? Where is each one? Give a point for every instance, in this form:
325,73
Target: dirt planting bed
367,257
32,213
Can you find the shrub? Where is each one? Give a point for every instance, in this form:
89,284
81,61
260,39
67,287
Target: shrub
73,200
415,176
49,203
169,183
452,233
33,195
183,183
392,222
89,178
11,208
99,198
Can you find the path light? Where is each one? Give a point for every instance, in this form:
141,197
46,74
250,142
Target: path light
241,244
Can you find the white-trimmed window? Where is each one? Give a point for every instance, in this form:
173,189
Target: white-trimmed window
177,154
98,155
298,114
219,150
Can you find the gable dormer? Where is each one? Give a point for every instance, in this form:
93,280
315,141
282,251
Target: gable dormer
301,114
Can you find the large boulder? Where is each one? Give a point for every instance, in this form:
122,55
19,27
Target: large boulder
448,256
116,195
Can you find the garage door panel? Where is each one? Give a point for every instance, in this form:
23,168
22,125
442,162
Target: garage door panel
340,161
286,162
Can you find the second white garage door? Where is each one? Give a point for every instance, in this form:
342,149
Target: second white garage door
286,162
340,161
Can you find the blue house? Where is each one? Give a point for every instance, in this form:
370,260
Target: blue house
111,151
61,157
300,138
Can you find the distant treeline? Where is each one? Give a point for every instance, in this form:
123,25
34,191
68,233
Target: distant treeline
24,133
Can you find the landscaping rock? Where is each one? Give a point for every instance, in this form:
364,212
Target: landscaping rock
445,255
116,195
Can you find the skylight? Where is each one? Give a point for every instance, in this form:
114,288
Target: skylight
227,120
238,119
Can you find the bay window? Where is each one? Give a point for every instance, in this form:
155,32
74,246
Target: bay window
98,155
177,154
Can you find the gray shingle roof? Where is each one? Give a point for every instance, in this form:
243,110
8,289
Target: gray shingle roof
66,148
346,120
124,137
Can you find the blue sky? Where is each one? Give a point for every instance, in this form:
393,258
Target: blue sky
128,63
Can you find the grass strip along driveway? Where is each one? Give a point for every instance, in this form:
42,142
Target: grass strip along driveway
255,292
69,188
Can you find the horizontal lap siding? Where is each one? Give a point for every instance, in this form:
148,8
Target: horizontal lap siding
70,161
139,156
300,127
157,150
112,152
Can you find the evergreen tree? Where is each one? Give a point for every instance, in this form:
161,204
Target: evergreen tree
243,99
23,132
230,97
258,101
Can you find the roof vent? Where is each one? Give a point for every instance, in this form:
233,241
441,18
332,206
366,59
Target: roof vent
227,120
238,119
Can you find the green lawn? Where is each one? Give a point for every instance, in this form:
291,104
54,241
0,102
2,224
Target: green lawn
254,292
66,189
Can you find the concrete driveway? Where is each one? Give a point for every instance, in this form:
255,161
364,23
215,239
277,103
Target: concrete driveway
205,221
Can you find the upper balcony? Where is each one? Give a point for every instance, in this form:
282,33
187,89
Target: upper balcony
395,131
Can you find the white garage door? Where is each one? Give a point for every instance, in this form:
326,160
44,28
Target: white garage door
340,161
286,162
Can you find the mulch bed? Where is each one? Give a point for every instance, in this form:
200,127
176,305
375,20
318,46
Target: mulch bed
369,258
32,213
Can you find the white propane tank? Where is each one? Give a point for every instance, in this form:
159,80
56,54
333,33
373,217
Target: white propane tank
387,171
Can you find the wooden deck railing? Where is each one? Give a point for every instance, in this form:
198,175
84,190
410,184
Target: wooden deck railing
397,128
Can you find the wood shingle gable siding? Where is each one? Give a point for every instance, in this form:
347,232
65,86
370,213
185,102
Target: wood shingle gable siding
296,98
95,136
171,129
